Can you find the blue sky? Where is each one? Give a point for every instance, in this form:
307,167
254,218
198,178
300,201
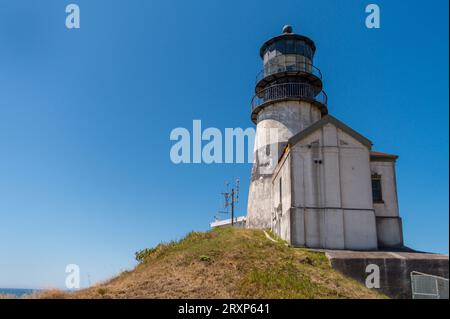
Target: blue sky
85,118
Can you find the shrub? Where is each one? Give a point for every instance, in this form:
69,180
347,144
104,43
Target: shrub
205,258
143,254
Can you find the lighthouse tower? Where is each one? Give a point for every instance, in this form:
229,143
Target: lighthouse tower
288,99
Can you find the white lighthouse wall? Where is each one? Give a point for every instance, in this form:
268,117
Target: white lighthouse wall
389,223
332,199
289,117
285,119
259,203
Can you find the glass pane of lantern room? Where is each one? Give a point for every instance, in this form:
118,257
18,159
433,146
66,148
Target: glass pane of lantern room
290,47
299,48
280,47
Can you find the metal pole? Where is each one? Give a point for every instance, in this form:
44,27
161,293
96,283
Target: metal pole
232,207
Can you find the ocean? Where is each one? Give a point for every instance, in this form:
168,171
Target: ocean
16,292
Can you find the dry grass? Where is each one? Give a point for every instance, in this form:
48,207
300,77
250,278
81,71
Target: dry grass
226,263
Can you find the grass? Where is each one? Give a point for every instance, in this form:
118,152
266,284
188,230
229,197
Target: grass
226,263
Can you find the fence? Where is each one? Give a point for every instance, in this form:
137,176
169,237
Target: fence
426,286
276,92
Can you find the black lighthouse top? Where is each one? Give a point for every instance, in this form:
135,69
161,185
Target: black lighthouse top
289,73
289,43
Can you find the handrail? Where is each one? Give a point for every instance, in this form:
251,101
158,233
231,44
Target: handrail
275,68
302,91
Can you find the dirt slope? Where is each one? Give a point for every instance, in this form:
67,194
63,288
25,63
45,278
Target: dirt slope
226,263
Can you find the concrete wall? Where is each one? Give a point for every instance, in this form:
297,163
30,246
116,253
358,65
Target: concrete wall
290,117
389,207
356,182
389,232
287,119
322,228
332,195
282,201
259,214
389,223
395,268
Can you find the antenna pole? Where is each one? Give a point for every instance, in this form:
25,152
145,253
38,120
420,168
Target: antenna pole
231,198
232,207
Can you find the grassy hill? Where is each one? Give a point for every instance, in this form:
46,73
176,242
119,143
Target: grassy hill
226,263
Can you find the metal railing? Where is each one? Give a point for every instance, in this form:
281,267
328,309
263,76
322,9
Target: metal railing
426,286
295,67
300,91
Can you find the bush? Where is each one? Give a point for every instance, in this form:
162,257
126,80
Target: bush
205,258
143,254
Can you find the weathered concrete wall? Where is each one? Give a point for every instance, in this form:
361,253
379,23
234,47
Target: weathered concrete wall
317,228
356,183
360,230
389,207
259,214
298,227
332,195
330,189
389,224
395,268
389,232
286,119
281,201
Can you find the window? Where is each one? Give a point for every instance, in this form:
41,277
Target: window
280,46
300,47
290,47
376,189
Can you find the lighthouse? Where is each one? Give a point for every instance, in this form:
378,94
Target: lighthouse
315,181
289,97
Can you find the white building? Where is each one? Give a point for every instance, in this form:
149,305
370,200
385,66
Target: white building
315,181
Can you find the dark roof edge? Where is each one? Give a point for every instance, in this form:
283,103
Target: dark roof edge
382,157
325,120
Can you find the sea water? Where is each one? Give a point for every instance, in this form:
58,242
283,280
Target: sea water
16,292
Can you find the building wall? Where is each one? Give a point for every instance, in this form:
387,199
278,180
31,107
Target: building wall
389,223
287,119
389,207
332,196
282,201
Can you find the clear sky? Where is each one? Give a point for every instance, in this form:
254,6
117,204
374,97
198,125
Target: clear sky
85,118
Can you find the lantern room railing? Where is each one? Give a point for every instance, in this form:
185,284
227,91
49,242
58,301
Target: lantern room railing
287,91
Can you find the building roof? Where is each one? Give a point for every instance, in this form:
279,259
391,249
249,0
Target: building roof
381,157
325,120
226,222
